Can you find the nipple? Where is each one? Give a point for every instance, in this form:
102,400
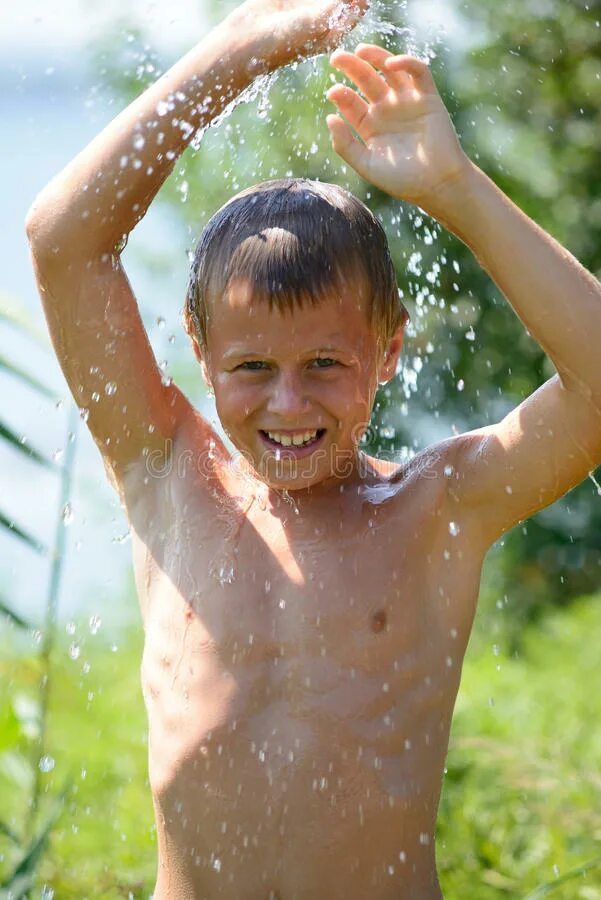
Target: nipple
378,621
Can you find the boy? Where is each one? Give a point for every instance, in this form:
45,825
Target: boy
307,609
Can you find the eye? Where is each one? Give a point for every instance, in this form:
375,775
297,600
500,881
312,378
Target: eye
252,365
324,362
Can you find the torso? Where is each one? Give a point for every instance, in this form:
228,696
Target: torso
299,674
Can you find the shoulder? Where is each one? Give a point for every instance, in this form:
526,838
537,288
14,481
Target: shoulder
192,454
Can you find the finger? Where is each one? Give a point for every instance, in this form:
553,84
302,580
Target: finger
419,71
347,146
349,103
377,57
365,76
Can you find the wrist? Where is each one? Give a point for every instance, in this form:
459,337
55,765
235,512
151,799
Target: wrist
451,200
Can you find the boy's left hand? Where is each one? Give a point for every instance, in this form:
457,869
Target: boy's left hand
408,145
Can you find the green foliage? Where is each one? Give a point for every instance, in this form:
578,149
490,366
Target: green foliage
96,737
521,796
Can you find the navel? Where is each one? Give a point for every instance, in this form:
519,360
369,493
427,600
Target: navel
378,621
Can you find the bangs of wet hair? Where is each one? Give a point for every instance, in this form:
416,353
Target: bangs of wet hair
295,242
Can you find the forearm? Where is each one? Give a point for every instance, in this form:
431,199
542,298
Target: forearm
555,297
105,191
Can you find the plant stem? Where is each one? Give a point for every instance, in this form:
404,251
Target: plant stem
49,634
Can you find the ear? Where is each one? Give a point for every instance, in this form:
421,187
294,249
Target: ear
388,363
203,363
204,369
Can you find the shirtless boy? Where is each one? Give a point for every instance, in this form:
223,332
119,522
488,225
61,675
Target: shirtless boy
307,609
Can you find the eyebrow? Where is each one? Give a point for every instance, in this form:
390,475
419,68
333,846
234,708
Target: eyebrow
237,353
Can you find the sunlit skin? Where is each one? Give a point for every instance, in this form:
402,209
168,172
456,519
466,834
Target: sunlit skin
323,377
303,647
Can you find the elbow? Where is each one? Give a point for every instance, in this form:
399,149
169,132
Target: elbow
31,224
34,225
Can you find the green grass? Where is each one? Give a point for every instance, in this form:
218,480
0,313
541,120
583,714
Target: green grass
521,803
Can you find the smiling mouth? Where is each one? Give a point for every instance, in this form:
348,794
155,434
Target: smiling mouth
297,440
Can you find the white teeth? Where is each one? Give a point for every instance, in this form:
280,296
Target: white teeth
297,440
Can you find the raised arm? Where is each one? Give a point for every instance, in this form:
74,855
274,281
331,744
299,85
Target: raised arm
407,146
77,224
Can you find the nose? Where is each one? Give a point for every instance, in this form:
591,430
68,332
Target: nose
288,397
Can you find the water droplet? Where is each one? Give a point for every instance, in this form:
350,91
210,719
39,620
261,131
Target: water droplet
223,571
453,529
58,454
403,856
183,189
161,322
424,838
110,388
470,334
282,604
313,149
74,650
46,764
84,414
595,482
139,142
67,514
47,893
95,623
70,627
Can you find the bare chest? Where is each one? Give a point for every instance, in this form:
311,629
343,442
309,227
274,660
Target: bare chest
305,670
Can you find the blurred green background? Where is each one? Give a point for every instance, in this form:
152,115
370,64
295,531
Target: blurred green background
521,812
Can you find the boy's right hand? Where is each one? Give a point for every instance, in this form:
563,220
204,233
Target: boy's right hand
287,30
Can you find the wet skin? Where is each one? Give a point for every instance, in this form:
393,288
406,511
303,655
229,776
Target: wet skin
302,652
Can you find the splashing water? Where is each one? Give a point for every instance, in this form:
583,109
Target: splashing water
591,475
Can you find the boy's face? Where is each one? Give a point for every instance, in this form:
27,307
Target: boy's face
294,391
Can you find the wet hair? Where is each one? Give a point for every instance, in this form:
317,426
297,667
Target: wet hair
296,241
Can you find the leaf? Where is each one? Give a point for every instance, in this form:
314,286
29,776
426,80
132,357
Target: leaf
9,833
544,889
9,435
18,372
10,728
18,532
15,314
14,617
18,888
24,871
